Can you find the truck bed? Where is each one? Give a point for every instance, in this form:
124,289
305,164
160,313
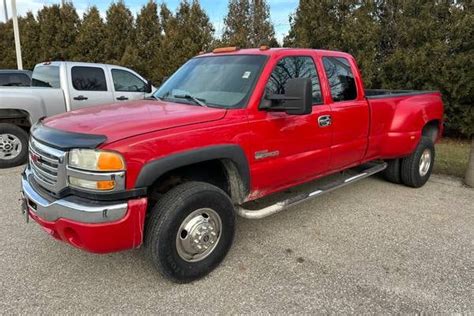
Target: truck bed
383,93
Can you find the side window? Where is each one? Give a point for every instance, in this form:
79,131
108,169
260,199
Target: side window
88,78
341,79
126,81
14,80
294,67
46,76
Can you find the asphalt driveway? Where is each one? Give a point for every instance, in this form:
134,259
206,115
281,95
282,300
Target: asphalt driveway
370,247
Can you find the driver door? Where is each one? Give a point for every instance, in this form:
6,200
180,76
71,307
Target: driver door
290,149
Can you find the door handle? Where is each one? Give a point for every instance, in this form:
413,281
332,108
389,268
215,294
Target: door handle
122,98
324,120
80,98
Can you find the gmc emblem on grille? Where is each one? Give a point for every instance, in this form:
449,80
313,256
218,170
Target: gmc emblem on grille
35,158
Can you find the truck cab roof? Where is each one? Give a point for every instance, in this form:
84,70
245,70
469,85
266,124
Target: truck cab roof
272,51
77,63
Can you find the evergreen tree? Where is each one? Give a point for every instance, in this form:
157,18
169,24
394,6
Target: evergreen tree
29,38
30,42
118,31
248,24
359,35
457,76
7,46
57,31
167,19
167,45
187,33
148,42
237,27
314,25
49,20
130,58
89,44
262,31
68,30
195,31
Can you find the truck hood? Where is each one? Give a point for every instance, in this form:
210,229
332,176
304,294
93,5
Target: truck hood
121,120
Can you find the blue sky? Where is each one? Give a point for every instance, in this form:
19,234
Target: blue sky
216,9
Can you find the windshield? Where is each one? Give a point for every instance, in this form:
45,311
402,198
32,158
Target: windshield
220,81
45,76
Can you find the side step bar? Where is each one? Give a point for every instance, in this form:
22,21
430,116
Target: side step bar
282,205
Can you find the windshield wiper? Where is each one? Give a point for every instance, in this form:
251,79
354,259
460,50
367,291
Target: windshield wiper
153,97
198,101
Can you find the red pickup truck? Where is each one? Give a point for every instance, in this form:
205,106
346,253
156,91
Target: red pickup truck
229,127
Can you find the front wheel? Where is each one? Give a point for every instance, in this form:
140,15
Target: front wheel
416,169
13,145
189,231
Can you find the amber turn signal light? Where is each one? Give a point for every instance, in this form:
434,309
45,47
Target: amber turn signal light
105,185
225,49
109,161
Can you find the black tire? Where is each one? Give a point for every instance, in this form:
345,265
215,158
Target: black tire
410,166
392,172
9,160
165,220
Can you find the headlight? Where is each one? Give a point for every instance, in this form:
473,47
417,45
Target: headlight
96,160
96,170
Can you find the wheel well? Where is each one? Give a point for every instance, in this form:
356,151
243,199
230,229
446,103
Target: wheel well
219,172
431,130
16,117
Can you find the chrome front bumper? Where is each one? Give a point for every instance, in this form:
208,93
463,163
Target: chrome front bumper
72,207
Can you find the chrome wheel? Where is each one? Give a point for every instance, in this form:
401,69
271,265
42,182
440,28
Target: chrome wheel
198,235
10,146
425,162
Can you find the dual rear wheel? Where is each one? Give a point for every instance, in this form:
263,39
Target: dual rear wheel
414,170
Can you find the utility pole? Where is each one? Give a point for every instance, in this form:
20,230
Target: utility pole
16,33
5,10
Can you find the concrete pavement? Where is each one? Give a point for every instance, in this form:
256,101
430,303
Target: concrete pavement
371,247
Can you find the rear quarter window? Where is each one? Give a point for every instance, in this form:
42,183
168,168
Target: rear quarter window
46,76
14,80
341,79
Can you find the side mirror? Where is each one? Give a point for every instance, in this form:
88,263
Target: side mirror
297,100
148,86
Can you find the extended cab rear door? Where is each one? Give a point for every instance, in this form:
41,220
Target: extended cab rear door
88,85
127,85
349,111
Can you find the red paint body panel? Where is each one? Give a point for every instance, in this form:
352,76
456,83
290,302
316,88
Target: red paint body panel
123,234
122,120
362,130
396,120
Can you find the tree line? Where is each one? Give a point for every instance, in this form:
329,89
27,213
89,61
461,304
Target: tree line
399,44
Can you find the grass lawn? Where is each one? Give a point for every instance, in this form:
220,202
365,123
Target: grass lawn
452,156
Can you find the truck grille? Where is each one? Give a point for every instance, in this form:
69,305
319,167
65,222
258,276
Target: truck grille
47,165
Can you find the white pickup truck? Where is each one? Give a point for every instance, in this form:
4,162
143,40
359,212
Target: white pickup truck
59,87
